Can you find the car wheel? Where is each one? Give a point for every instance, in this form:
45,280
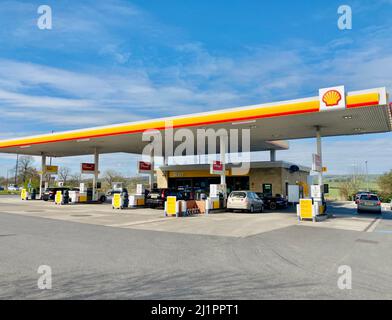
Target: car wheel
272,205
102,199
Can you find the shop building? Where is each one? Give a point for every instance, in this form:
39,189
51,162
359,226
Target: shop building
269,177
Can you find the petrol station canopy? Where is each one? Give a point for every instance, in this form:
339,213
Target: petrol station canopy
334,111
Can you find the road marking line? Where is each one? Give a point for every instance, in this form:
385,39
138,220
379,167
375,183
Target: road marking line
129,224
373,225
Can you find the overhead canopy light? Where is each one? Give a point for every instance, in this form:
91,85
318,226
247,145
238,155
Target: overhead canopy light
243,122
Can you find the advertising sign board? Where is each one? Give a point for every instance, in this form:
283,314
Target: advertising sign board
217,167
316,163
144,167
88,168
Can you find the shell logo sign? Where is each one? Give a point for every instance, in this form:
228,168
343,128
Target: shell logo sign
332,98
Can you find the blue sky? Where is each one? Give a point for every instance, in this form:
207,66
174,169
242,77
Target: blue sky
113,61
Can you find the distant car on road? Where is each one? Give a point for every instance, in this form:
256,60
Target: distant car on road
358,195
369,203
245,200
14,187
1,188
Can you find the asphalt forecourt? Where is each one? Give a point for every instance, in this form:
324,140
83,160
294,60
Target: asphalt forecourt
96,262
228,224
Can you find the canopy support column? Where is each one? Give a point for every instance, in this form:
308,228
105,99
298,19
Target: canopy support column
222,148
272,155
96,173
319,153
151,176
42,175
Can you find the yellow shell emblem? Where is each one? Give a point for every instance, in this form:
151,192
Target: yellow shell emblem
332,98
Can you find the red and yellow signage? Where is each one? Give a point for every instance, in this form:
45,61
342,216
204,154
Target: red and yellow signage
144,167
306,208
87,167
217,167
332,98
171,205
194,174
52,169
360,99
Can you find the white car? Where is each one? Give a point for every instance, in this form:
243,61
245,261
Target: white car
245,200
14,187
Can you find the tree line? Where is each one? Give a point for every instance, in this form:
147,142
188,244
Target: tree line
25,173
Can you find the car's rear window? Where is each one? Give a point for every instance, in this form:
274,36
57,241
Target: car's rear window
240,195
369,197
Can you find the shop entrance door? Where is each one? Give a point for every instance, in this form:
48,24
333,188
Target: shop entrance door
267,189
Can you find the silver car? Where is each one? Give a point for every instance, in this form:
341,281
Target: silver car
245,200
369,202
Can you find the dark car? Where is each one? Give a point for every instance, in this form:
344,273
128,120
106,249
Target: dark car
157,197
50,193
357,196
273,202
108,197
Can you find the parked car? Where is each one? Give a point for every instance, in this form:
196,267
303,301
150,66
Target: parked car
273,202
156,197
50,193
245,200
369,203
1,188
108,197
